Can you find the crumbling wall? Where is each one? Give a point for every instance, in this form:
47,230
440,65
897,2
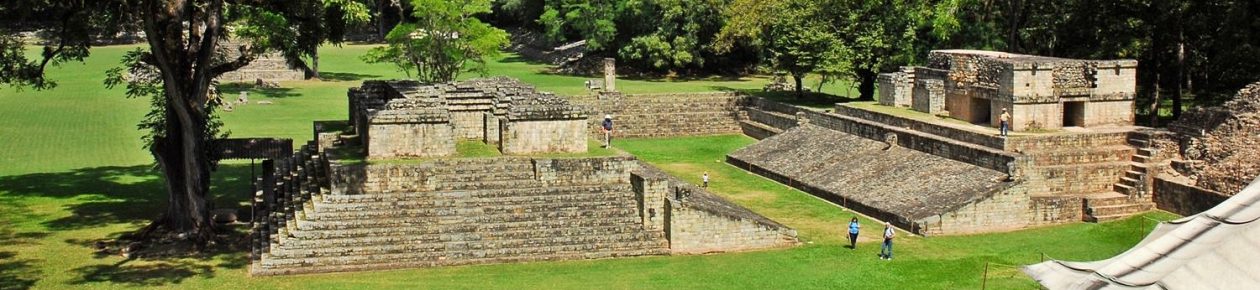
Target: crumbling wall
1222,143
696,221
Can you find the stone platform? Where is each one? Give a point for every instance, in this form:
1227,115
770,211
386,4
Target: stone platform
322,215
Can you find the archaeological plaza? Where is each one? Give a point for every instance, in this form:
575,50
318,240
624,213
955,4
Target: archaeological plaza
385,188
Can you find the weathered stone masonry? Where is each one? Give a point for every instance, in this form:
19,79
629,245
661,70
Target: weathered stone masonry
1039,92
409,119
327,216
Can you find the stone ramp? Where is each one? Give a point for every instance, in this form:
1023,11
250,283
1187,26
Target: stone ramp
886,182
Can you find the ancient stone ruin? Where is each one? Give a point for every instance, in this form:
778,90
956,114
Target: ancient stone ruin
410,119
326,209
268,67
1039,92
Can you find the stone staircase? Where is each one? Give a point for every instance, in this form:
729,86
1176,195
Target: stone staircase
482,211
1130,195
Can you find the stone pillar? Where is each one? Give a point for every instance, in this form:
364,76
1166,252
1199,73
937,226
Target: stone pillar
610,74
650,192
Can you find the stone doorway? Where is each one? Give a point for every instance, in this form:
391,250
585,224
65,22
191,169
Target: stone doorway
1073,114
981,111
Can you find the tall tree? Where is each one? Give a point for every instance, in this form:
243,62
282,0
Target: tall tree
795,36
183,39
442,40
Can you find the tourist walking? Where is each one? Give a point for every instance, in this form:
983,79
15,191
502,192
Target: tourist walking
608,128
854,226
706,179
1004,122
886,252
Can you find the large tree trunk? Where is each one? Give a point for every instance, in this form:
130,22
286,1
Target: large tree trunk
315,64
182,40
182,157
866,87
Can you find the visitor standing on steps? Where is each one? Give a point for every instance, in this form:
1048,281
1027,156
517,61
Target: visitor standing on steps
706,179
854,226
608,128
1004,121
886,252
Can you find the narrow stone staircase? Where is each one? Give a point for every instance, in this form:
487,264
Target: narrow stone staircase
483,211
1131,195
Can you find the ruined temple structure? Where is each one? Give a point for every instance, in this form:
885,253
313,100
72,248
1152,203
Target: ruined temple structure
334,207
268,67
942,178
1041,93
409,119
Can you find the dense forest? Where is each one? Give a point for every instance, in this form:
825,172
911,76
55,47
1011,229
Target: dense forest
1200,50
1190,51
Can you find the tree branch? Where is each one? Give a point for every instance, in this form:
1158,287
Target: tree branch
236,64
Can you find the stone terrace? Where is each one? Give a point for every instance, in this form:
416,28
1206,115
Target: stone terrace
326,215
883,181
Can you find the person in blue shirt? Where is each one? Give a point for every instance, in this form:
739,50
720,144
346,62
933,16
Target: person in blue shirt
854,226
608,128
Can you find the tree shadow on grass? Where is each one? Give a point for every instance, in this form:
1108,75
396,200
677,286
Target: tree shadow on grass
17,273
148,274
231,91
345,76
521,59
102,196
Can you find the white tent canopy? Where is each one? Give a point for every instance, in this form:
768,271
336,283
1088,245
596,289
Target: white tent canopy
1215,249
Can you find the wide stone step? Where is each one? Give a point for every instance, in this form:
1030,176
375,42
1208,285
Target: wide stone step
348,200
1133,174
1111,212
471,207
478,241
316,209
434,226
1106,199
480,215
445,256
434,232
397,263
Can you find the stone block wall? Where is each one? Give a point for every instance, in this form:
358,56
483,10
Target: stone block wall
1184,199
468,124
697,222
410,140
896,88
650,192
929,96
584,170
542,136
693,230
663,115
987,140
1004,210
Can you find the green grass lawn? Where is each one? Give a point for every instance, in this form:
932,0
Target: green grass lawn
72,172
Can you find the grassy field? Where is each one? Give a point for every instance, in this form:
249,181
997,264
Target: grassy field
72,172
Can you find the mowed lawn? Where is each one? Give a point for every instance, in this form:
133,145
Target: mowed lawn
73,171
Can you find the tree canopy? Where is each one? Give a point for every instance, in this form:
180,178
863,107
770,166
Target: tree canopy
441,41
